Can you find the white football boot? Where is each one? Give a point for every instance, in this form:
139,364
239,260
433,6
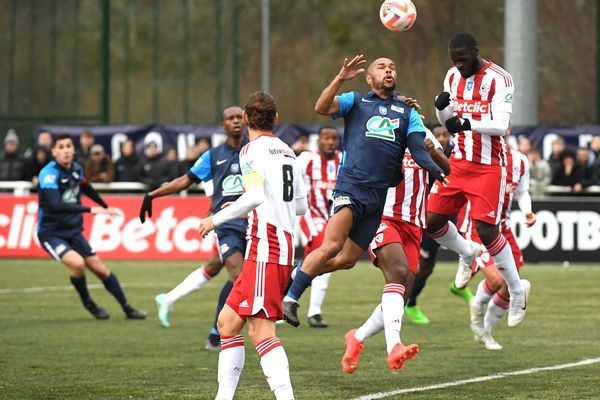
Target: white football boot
518,305
476,320
463,274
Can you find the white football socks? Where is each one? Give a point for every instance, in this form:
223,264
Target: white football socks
497,307
191,283
275,366
449,237
483,295
372,326
231,364
392,304
318,289
501,252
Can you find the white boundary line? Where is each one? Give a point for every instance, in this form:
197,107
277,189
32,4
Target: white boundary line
41,289
499,375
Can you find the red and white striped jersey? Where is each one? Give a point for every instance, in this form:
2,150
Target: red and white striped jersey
270,225
517,182
477,98
319,176
408,200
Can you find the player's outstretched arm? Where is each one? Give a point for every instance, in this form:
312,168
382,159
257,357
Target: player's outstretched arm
56,204
90,192
254,195
437,155
327,103
175,186
422,157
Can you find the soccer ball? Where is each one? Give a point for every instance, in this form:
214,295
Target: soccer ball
398,15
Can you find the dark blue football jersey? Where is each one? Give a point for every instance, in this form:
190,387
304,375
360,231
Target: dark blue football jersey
60,209
375,138
221,165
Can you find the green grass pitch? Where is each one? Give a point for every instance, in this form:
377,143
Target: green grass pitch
51,348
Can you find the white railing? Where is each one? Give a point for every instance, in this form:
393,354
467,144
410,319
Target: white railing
24,188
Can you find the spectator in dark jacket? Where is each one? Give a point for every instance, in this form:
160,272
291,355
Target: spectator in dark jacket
12,164
39,158
558,146
154,170
569,173
191,155
86,141
129,164
99,168
591,167
172,163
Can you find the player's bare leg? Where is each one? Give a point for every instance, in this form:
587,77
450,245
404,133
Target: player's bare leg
499,248
232,355
113,286
445,233
233,264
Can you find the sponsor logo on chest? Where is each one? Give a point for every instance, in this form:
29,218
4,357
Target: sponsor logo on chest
476,107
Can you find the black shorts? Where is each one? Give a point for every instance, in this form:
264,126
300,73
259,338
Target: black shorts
366,204
57,246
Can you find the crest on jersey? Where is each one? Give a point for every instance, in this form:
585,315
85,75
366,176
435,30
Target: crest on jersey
232,185
247,167
382,127
50,179
382,110
484,90
470,85
235,168
508,98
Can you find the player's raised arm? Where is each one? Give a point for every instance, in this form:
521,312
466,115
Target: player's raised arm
327,103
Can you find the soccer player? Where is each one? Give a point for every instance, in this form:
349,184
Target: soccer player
378,128
60,223
493,291
220,165
274,195
476,105
428,252
319,171
396,244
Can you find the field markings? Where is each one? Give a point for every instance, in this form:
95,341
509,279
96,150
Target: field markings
41,289
498,375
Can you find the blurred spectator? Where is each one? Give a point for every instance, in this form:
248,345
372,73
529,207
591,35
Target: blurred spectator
153,171
301,144
86,141
569,173
12,164
43,140
128,165
202,145
558,146
595,146
443,136
191,155
99,168
524,145
172,163
590,165
40,157
540,173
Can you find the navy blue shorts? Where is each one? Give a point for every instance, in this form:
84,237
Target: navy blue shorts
366,204
57,246
229,241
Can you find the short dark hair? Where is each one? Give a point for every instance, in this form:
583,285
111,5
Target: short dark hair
60,136
261,111
321,129
462,39
227,108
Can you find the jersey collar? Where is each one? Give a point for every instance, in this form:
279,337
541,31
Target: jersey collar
372,95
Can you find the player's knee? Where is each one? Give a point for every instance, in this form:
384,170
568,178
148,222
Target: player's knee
77,268
488,233
331,248
425,267
395,272
495,282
